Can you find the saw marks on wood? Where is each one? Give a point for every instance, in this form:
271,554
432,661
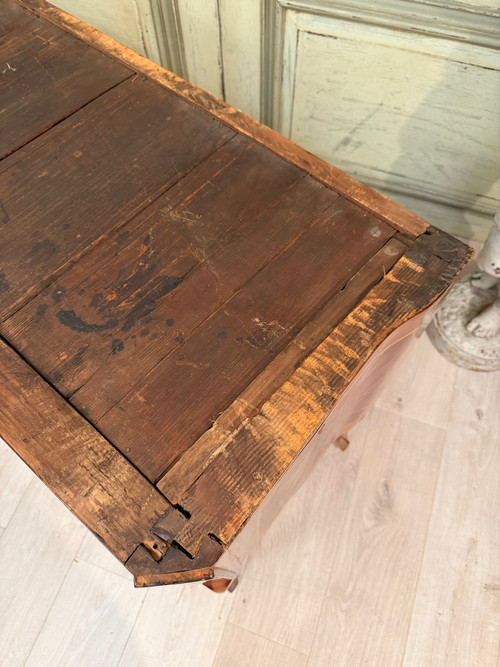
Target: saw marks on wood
388,555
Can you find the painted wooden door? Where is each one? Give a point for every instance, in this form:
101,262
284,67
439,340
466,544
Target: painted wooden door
402,94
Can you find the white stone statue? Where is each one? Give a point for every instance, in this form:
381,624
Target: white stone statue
486,324
466,330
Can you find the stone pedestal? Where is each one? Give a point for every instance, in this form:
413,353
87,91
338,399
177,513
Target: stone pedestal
448,330
466,329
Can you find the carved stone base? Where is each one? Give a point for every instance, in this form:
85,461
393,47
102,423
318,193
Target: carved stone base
450,337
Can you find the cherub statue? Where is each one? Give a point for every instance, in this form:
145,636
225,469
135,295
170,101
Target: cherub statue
466,329
486,324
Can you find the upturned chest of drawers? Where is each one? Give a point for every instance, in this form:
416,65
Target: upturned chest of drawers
192,307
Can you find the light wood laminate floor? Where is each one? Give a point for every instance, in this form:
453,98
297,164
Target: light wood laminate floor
389,555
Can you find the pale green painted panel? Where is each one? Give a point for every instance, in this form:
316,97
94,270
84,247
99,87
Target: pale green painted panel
240,24
117,18
201,42
409,112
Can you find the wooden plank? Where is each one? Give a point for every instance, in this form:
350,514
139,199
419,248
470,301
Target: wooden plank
236,258
230,489
36,551
193,239
178,625
13,17
246,649
87,473
384,208
50,74
380,532
182,396
14,480
62,196
199,456
455,617
88,592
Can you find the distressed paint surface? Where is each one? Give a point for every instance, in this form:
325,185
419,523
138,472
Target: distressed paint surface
117,18
384,113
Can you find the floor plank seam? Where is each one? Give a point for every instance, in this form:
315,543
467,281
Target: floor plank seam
273,641
412,417
422,559
63,580
132,626
20,499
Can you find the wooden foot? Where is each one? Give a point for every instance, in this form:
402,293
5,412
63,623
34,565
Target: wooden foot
225,581
342,442
221,585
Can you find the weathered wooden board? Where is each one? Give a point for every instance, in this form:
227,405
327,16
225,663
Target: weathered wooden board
84,470
47,74
130,289
200,454
181,397
60,196
13,17
253,460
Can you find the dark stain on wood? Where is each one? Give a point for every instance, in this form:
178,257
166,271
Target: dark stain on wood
145,306
4,217
41,251
96,300
4,285
70,319
152,133
78,358
117,345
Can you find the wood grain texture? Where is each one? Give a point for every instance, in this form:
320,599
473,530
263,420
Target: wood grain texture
374,571
182,396
14,480
407,397
50,74
379,205
13,17
456,616
167,618
291,567
259,650
164,273
51,214
75,462
198,457
32,575
254,459
80,601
